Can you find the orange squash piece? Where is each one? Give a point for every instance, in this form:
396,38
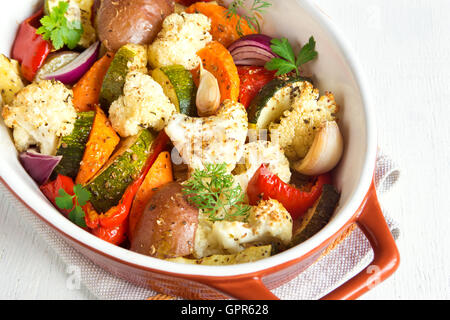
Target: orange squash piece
86,92
101,144
218,60
159,174
223,28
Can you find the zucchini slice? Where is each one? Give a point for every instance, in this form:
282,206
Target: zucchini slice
274,98
128,58
179,86
124,166
72,146
317,216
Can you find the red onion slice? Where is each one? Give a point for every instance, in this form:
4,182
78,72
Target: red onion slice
251,62
252,50
54,62
258,40
74,70
250,55
39,166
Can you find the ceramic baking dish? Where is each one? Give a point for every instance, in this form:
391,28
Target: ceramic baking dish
335,70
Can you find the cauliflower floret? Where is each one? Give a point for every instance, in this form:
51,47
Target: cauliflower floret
258,153
216,139
142,105
40,114
268,222
297,127
181,37
10,81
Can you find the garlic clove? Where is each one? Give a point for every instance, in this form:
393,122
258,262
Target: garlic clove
325,152
208,94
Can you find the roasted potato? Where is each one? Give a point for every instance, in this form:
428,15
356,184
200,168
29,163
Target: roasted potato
167,226
130,21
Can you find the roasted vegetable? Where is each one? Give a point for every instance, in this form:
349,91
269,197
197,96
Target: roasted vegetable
218,60
297,128
159,174
253,79
55,61
274,98
167,227
248,255
112,226
178,85
108,185
208,94
72,146
129,58
99,147
130,21
86,92
267,185
10,81
40,114
317,216
29,48
224,28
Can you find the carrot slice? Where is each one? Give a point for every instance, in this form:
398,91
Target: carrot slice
86,91
101,144
218,60
159,174
223,28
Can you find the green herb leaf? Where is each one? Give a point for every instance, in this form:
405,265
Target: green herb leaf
77,216
64,201
287,61
283,48
215,192
281,65
82,194
58,29
307,53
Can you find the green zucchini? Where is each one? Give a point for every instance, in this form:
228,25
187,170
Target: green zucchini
318,216
274,98
72,146
179,86
128,58
124,166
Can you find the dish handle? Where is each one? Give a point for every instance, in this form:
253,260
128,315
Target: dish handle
386,260
386,256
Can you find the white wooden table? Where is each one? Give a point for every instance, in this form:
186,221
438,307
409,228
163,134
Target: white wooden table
404,46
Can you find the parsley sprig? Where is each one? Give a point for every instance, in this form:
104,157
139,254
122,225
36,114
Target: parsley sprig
215,192
74,203
58,29
288,61
258,7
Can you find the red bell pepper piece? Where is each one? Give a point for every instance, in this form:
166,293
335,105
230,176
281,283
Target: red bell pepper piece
266,185
115,235
110,222
253,79
29,48
51,189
